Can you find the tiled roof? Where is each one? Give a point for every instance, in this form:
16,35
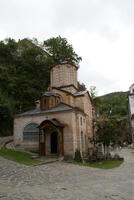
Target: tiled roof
80,93
58,108
49,93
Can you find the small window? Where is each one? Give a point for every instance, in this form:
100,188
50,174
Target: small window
133,90
81,120
57,101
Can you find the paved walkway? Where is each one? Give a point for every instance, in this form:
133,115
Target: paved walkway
64,181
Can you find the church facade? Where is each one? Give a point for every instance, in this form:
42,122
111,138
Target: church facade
62,120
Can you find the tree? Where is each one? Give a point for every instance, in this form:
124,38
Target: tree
93,92
81,86
95,100
24,74
77,156
108,131
5,119
115,105
60,50
118,101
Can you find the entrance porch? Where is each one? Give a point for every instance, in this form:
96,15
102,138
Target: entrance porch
51,138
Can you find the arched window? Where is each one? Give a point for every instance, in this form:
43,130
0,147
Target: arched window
81,120
30,132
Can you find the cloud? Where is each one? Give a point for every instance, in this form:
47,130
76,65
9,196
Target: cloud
101,31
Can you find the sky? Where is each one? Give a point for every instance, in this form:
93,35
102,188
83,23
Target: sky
100,31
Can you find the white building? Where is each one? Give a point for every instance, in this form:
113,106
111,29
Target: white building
131,110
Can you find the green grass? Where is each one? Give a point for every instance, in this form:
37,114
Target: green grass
105,164
17,156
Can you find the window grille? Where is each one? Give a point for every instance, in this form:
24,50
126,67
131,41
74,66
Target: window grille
30,132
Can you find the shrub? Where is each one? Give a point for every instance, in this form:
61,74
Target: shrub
77,156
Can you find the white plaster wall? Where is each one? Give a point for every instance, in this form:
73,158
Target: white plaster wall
131,89
131,103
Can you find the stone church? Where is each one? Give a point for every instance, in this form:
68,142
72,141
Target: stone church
62,119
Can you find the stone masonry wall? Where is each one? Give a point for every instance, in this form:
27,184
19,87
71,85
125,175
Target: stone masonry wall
70,89
85,104
66,98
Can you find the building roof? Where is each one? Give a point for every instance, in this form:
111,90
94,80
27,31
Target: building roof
131,85
55,122
58,108
66,62
81,93
50,93
65,86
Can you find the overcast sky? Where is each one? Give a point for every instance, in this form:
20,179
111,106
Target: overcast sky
101,31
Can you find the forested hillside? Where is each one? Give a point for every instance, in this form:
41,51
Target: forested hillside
114,104
24,73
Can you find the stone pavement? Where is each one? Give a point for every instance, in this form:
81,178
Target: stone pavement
64,181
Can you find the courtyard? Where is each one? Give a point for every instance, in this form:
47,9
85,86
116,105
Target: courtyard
67,181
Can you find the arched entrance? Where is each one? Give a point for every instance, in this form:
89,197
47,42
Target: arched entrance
54,143
51,140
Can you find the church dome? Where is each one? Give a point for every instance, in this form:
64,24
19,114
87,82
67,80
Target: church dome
64,74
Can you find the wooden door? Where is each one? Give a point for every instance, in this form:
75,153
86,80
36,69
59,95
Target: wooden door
42,143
